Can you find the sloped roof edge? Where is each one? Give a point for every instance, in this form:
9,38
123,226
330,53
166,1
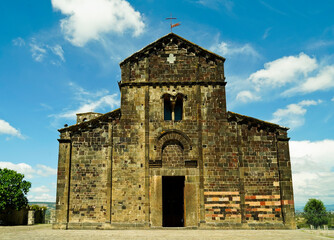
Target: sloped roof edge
134,55
93,122
231,116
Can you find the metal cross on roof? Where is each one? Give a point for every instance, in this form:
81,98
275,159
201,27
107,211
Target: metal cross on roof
171,23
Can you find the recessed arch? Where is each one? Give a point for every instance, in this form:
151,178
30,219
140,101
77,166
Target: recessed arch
171,142
171,138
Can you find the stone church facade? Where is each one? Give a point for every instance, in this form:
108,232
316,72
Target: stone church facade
171,155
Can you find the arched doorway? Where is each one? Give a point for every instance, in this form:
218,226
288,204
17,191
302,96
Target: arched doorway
174,183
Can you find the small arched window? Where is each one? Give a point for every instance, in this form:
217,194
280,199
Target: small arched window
173,106
167,108
178,110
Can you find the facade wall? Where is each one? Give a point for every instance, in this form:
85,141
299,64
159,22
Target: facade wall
128,162
237,169
221,173
89,171
260,175
63,182
220,161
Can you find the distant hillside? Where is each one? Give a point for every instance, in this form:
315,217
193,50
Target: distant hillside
49,205
330,207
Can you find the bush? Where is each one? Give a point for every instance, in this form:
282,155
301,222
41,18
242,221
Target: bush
315,213
12,190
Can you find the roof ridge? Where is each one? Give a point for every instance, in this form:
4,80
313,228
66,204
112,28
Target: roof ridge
165,36
258,120
87,123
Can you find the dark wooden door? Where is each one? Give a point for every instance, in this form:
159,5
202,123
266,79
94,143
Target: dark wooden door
173,201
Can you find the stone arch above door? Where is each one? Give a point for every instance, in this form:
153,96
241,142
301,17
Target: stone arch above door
168,140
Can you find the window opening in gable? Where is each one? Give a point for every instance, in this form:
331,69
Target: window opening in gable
178,110
173,106
167,108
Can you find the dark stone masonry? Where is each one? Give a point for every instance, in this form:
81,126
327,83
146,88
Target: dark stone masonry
172,156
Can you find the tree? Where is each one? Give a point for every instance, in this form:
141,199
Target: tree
315,213
12,190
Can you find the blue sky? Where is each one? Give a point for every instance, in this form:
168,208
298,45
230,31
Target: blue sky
60,57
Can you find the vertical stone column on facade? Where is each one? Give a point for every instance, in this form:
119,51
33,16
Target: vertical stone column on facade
109,171
147,150
191,201
284,164
129,179
241,175
63,182
156,201
200,155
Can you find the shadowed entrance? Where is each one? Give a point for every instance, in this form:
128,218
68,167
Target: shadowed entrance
173,201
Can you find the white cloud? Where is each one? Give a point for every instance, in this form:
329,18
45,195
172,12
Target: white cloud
18,42
42,193
283,70
247,96
276,10
312,168
266,33
108,100
293,115
229,49
88,20
290,75
309,102
332,99
322,81
23,168
82,94
100,100
58,50
320,44
41,189
45,106
92,106
45,197
28,171
215,4
7,129
38,52
45,171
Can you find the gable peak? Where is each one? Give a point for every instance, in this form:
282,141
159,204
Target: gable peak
171,38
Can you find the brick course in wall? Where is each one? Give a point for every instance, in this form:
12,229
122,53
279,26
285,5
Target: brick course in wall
236,169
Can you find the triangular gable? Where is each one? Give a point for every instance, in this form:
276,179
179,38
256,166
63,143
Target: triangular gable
161,42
